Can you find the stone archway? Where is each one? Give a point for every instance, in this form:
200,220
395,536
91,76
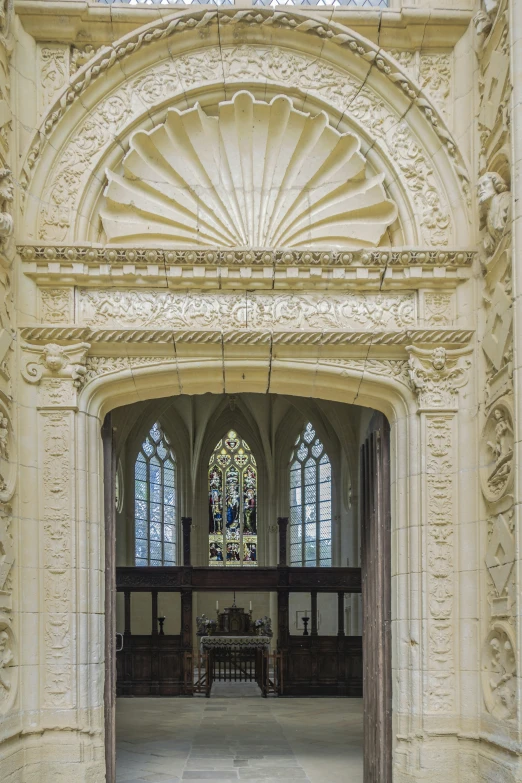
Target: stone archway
123,317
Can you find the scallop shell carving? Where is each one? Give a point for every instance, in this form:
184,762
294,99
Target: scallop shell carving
256,175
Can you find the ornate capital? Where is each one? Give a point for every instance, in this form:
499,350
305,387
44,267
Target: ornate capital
436,376
56,361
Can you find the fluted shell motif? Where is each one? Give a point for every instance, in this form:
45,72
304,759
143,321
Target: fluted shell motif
257,175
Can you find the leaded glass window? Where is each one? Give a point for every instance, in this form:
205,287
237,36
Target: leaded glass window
155,501
310,502
232,486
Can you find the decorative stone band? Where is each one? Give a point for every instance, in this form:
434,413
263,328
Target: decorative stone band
93,256
44,334
235,642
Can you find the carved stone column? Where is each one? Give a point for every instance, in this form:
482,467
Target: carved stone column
436,377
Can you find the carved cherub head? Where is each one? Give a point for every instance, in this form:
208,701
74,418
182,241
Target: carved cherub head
54,358
489,185
438,359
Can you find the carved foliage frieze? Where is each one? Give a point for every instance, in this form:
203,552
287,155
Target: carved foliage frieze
254,311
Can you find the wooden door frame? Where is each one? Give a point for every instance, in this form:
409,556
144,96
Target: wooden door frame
376,597
109,492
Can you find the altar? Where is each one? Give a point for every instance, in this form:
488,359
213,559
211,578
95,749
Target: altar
237,648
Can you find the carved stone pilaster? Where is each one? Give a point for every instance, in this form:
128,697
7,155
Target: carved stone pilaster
436,377
59,370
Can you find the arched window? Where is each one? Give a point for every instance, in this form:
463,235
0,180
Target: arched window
310,502
232,488
155,501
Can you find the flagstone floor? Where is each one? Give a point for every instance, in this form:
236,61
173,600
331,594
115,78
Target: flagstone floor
238,736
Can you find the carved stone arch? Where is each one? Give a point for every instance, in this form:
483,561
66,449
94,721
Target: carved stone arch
333,43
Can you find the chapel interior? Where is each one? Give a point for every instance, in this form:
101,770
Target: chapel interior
231,474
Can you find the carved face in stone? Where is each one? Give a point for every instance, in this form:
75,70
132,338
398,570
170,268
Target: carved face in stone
54,358
6,186
486,189
438,359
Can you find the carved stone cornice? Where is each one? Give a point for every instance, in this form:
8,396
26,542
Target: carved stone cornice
240,268
45,334
437,375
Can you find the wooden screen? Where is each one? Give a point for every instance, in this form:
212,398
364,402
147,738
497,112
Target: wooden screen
376,596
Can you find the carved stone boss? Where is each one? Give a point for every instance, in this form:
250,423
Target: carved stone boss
436,377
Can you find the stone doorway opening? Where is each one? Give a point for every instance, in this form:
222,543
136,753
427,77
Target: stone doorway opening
285,499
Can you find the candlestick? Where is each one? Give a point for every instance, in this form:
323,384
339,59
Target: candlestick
217,606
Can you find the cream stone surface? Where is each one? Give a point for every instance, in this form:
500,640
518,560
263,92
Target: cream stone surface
315,202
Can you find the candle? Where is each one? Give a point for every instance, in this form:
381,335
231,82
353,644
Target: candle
250,605
217,606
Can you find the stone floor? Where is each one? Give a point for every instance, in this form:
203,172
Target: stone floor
237,735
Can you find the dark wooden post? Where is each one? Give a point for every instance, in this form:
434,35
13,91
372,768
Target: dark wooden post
154,630
376,596
186,523
282,523
186,618
109,482
127,599
314,613
283,630
340,614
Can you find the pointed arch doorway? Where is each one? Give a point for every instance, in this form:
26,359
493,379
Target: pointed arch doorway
375,527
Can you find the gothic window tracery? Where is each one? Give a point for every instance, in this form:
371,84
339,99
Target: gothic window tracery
310,502
155,501
232,484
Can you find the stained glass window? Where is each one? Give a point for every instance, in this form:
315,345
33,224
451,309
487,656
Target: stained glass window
155,501
232,486
310,502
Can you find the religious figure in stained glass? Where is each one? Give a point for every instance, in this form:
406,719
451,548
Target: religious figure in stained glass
310,502
232,487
